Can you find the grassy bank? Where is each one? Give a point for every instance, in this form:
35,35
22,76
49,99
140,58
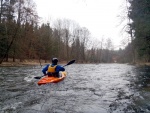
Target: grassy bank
27,62
24,63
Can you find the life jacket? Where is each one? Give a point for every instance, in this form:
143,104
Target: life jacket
51,69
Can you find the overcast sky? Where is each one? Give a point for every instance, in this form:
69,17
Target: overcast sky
99,16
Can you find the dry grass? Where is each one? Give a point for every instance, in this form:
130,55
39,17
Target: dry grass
26,62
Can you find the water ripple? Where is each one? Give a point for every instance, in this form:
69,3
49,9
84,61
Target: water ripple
88,88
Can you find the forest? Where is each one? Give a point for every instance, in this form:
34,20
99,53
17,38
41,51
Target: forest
22,36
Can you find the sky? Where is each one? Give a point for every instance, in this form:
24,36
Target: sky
100,17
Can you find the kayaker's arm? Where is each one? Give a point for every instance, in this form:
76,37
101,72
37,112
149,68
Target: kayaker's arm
59,68
44,70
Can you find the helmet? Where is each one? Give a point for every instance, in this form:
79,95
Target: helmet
54,61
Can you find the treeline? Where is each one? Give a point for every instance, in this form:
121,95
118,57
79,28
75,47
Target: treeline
138,50
22,38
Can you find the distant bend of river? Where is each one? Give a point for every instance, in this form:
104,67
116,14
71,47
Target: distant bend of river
88,88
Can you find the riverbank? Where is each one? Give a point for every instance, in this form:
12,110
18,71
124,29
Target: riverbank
23,63
33,62
29,62
17,63
142,64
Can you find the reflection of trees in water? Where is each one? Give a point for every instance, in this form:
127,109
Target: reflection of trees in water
143,76
141,84
139,100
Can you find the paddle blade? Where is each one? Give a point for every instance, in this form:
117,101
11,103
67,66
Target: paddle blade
38,77
71,62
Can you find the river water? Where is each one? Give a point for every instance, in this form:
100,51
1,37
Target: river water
88,88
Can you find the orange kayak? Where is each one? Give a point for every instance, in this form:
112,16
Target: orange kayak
47,79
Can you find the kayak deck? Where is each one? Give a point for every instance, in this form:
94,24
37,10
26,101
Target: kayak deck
48,79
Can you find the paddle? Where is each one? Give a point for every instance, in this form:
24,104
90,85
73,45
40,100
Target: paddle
69,63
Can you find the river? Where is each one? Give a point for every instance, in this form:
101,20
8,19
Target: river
88,88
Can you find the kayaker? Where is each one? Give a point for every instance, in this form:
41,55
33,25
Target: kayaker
53,69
